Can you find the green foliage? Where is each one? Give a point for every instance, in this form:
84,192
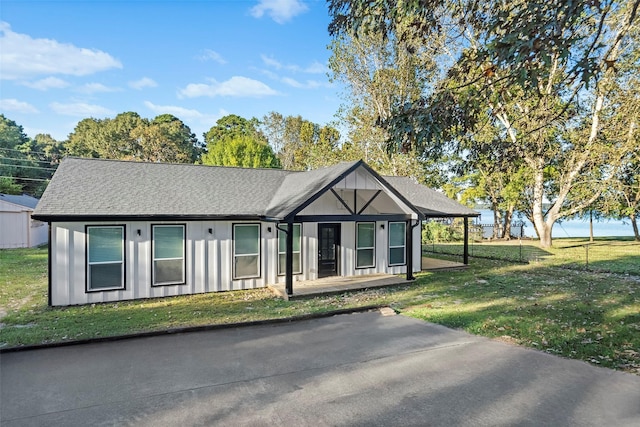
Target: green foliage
131,137
301,144
232,126
241,151
26,164
434,231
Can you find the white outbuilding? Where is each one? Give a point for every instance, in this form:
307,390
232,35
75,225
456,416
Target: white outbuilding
17,228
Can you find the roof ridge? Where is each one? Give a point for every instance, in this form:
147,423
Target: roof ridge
173,164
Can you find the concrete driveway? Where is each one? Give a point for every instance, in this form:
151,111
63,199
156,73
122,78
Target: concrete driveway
358,369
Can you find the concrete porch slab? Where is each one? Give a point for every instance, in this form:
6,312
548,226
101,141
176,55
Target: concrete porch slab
337,284
433,264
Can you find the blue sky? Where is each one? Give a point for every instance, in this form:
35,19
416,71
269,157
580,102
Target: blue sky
62,61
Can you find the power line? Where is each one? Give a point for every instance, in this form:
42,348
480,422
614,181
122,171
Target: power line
28,167
23,152
25,179
25,160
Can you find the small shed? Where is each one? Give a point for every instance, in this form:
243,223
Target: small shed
17,229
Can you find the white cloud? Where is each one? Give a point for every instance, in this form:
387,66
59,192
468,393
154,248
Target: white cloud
143,83
47,83
280,11
80,109
309,84
14,105
236,86
90,88
22,57
210,55
271,62
315,67
179,112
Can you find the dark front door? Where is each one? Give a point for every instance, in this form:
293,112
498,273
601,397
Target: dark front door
328,250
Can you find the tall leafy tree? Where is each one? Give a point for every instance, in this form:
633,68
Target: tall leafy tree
131,137
541,70
299,143
26,164
241,151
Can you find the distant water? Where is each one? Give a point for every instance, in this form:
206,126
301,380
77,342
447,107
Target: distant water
570,228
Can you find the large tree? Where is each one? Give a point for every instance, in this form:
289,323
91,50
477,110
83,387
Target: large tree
380,73
299,143
131,137
26,164
541,70
241,151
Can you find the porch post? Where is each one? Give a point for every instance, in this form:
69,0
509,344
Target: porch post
289,260
409,249
465,256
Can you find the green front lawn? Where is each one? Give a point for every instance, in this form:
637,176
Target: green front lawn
578,314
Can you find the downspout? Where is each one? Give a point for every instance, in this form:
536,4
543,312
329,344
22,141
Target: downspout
288,258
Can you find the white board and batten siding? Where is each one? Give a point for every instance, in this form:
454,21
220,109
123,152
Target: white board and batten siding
209,260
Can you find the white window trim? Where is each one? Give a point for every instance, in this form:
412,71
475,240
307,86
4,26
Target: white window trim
154,259
404,246
121,262
247,255
281,273
358,248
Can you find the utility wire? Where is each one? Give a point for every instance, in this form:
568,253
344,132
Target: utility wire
28,167
25,160
25,179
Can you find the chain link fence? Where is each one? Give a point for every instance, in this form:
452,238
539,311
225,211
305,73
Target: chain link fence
614,256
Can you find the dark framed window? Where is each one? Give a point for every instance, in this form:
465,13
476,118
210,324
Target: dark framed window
365,244
168,249
246,251
297,250
397,243
105,257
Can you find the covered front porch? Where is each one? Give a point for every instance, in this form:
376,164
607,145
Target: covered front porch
338,284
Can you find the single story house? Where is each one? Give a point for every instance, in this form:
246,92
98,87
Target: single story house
17,228
122,230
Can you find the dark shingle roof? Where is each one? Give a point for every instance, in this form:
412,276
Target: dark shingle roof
430,202
20,200
97,188
297,187
92,187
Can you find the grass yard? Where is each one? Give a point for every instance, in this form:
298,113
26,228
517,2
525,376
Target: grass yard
579,314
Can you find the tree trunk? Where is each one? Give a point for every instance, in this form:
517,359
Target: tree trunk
497,221
634,224
590,225
508,217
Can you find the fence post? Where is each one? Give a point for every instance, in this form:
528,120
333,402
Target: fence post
586,250
520,240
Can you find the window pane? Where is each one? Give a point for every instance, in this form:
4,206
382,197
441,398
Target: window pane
366,235
282,239
168,242
282,259
396,256
105,276
296,237
396,233
246,266
297,267
247,239
364,258
168,271
105,244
